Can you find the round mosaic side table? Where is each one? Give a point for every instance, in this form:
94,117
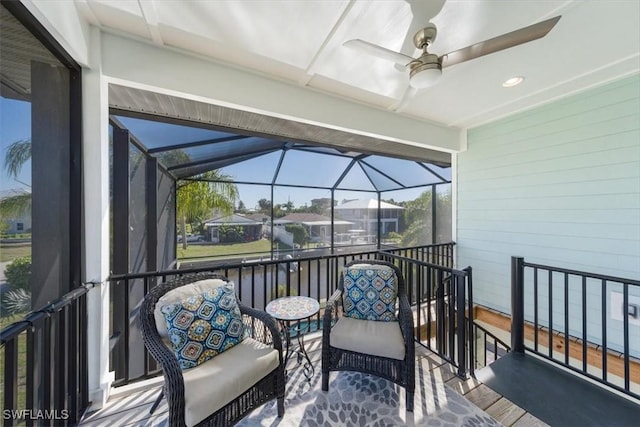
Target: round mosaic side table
295,309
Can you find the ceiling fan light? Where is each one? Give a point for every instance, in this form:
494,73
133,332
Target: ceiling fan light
425,75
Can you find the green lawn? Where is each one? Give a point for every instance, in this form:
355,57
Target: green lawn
224,250
13,251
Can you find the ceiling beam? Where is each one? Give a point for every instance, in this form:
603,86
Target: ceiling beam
150,15
196,143
309,71
222,85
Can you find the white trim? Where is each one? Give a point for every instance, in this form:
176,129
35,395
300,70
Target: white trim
163,70
95,153
454,202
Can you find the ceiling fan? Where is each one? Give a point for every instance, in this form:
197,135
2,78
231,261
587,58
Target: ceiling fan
425,70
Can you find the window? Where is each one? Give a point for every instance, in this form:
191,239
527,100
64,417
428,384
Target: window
39,105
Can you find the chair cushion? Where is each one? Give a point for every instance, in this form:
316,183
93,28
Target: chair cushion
179,294
204,325
365,336
370,292
215,383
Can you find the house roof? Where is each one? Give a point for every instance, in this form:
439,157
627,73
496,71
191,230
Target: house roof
367,204
257,216
235,219
308,219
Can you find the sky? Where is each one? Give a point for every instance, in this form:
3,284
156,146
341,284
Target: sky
15,124
298,169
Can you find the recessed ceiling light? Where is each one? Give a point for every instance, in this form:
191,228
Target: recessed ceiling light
513,81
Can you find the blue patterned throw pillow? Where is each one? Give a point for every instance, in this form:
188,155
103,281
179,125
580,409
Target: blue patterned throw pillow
204,325
370,293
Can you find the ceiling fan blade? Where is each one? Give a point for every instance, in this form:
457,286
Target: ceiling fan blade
505,41
378,51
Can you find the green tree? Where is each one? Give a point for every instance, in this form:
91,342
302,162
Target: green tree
18,203
417,217
265,206
443,216
300,233
288,206
197,196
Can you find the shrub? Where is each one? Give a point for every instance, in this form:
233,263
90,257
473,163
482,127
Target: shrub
230,234
281,291
17,301
18,273
299,231
394,236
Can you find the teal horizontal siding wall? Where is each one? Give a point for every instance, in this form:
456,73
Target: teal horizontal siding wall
558,185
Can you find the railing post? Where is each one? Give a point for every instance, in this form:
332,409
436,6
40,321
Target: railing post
461,324
517,304
10,386
440,312
471,337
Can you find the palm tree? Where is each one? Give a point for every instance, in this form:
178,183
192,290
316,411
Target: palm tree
198,196
18,203
195,197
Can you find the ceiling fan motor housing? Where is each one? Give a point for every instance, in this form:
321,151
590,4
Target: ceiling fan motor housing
425,71
425,62
425,36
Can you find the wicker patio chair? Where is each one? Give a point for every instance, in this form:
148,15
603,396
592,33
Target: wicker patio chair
382,348
222,390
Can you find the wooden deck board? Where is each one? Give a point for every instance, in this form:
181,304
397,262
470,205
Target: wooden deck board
505,411
117,406
133,413
462,386
482,396
133,409
528,420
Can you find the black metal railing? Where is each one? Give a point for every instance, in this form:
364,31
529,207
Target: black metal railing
44,364
487,346
443,303
257,282
578,320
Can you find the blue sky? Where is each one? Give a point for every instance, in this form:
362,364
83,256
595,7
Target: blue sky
15,124
299,167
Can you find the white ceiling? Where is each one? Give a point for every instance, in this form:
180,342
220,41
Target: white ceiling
300,41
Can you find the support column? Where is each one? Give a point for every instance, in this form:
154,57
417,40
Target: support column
95,154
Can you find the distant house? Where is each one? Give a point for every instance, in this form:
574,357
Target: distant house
364,214
18,225
247,229
318,226
21,224
259,217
